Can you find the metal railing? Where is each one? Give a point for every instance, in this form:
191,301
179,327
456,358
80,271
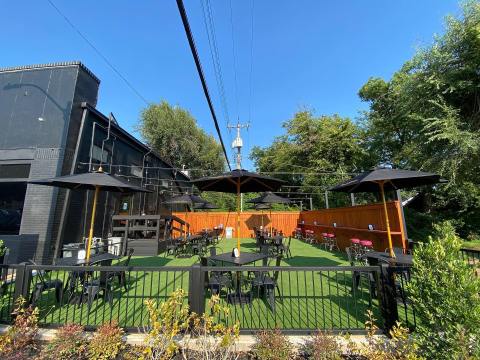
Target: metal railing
293,299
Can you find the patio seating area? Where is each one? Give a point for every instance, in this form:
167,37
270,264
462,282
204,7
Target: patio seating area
311,289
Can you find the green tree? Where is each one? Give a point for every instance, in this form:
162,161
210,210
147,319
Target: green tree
317,152
175,135
427,117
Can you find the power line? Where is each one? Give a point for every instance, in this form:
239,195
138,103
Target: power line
250,106
99,53
234,57
193,49
212,43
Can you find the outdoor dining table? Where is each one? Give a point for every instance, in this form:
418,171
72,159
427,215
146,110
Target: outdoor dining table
94,259
243,259
377,257
80,276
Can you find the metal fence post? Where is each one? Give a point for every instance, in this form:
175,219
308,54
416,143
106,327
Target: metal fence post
196,289
23,275
388,297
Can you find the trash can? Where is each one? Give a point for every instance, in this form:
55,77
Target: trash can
229,232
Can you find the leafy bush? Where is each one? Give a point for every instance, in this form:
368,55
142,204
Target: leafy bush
209,339
20,341
445,295
3,248
400,346
322,346
166,322
272,345
107,343
68,344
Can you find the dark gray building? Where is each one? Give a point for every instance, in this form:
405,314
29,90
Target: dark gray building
49,127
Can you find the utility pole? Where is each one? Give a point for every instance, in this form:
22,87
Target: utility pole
238,142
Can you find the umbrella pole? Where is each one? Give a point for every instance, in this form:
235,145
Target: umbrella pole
92,221
238,215
271,223
389,235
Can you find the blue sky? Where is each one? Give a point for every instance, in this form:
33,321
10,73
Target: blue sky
314,54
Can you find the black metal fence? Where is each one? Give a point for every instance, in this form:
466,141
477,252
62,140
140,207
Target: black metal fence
294,299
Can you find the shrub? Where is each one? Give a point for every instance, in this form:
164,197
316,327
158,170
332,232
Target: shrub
445,295
272,345
20,341
209,339
106,343
3,248
321,346
166,322
68,344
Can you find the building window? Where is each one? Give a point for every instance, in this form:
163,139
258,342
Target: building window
99,155
14,171
137,171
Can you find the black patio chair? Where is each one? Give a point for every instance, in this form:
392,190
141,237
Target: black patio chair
93,287
357,275
264,282
171,247
285,248
121,275
216,281
45,284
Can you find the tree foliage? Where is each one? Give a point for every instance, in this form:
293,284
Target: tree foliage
317,152
427,117
175,135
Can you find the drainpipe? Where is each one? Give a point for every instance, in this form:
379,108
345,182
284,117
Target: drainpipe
66,203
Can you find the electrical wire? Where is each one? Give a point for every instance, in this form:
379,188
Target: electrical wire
193,49
250,105
99,53
234,58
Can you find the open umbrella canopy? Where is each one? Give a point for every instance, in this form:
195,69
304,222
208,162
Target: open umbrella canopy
206,206
393,179
380,180
238,181
261,206
90,181
186,199
269,198
246,180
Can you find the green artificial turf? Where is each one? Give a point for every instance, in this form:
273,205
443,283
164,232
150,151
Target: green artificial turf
307,299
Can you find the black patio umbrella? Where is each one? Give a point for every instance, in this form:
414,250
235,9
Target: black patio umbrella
206,206
187,199
91,181
387,179
269,198
262,207
238,181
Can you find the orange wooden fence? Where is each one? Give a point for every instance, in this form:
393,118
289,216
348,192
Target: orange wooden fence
353,222
350,222
285,221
